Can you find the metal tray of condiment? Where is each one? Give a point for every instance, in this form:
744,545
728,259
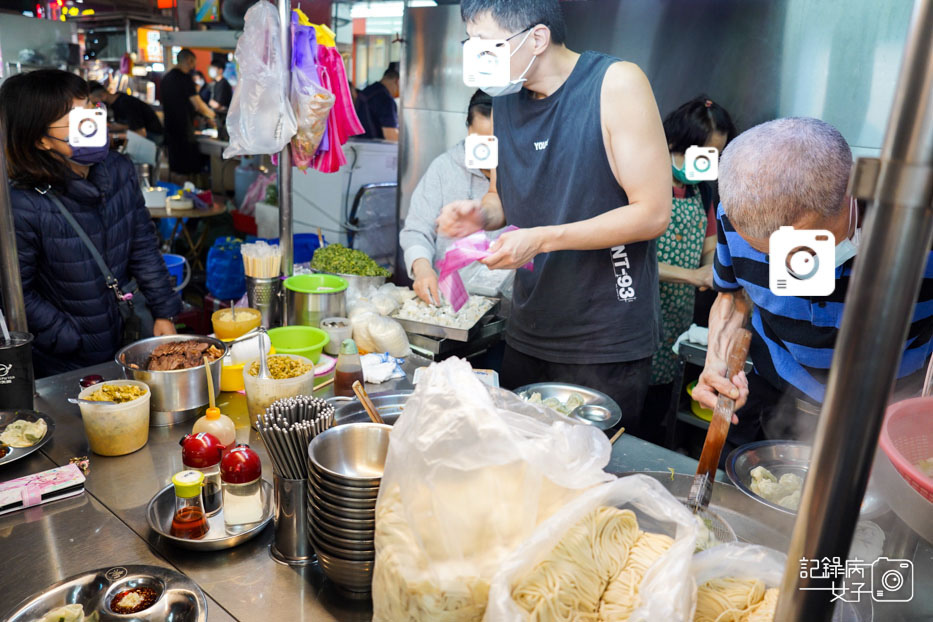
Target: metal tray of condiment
781,457
10,454
178,598
447,332
598,409
161,509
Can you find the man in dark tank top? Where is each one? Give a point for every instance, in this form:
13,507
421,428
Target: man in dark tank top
584,172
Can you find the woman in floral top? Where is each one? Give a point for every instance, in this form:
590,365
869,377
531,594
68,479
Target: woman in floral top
685,251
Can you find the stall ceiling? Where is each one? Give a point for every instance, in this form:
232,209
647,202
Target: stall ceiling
833,59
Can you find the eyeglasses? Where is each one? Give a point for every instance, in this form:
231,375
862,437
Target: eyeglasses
463,42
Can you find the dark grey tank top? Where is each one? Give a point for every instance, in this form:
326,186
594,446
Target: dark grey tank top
576,306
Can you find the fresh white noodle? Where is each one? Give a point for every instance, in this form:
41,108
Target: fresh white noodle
731,599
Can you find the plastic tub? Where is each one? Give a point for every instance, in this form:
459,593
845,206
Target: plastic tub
225,327
305,341
261,393
116,429
337,329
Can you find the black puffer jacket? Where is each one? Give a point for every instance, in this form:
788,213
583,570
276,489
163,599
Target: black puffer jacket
70,310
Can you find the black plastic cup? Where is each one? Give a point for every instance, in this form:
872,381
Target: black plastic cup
17,380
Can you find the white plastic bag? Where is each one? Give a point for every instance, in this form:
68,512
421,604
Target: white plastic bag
469,474
666,591
261,119
740,560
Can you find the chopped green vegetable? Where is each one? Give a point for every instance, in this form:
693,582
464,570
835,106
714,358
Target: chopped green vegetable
338,259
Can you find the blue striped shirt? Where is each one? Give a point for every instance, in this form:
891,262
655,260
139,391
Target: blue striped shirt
793,336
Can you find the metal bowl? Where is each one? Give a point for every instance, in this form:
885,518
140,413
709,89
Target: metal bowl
350,492
180,598
355,576
342,501
357,543
177,395
355,524
161,508
15,453
782,457
598,409
339,510
390,405
355,452
316,521
346,554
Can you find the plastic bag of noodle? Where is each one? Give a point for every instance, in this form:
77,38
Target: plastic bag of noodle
470,472
620,551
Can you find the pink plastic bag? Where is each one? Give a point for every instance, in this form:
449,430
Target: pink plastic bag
464,252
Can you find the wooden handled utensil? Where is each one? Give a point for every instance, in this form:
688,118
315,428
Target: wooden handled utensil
367,403
702,489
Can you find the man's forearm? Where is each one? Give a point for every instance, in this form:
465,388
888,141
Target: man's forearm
623,225
668,273
727,316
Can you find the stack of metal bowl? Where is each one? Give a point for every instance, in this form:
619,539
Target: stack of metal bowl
345,465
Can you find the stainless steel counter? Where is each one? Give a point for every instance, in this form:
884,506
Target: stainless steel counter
108,523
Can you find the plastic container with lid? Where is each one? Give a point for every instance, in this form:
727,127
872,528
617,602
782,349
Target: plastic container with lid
233,323
241,472
218,424
190,519
261,393
203,452
339,329
116,429
349,369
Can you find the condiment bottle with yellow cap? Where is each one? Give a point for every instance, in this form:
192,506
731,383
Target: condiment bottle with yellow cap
217,424
189,520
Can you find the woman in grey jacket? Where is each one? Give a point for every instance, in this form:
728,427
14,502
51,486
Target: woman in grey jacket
447,179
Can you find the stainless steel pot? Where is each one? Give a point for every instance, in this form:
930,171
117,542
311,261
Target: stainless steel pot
177,395
309,308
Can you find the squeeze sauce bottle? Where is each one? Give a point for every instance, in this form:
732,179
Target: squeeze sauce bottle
219,425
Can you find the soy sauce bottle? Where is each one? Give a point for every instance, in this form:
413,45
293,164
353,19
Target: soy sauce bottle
349,369
202,452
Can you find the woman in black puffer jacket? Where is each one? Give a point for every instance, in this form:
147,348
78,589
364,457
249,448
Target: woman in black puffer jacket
70,310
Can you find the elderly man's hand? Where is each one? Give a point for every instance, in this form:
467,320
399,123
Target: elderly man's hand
713,383
459,219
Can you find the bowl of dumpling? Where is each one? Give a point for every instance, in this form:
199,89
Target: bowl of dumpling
771,472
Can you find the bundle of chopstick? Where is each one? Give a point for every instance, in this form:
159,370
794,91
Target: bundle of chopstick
261,260
287,428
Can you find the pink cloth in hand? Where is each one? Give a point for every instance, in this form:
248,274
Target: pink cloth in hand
462,253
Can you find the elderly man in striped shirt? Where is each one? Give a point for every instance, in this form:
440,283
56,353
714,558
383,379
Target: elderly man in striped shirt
785,172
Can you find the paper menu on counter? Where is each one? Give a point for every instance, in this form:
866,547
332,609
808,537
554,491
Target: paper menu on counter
38,488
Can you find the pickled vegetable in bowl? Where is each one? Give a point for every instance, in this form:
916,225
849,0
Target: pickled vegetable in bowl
282,367
119,393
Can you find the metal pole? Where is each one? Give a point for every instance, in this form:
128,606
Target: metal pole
285,157
879,306
11,286
129,38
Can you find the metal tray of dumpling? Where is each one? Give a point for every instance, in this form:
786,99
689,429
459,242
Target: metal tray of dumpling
596,409
8,453
780,458
94,594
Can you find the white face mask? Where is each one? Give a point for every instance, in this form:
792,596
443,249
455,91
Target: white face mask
514,86
848,248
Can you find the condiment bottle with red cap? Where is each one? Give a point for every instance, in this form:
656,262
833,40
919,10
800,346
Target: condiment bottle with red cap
202,452
241,471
